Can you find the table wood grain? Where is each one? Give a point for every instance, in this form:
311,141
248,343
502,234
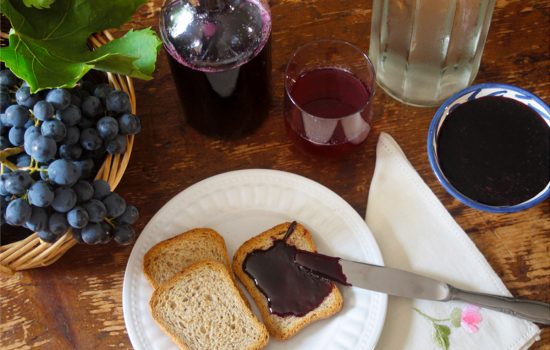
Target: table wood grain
77,302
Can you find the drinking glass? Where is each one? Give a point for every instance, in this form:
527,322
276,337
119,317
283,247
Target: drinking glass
426,50
329,85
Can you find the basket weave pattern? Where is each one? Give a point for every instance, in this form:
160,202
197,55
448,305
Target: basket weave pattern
31,252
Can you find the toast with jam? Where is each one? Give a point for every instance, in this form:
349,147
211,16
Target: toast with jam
289,298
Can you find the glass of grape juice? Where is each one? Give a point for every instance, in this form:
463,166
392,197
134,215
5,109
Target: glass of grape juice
329,86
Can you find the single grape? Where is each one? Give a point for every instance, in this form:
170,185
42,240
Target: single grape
124,234
90,139
78,217
54,129
43,110
24,97
58,224
22,160
16,115
102,90
77,235
38,220
70,116
30,134
93,233
116,145
42,148
107,127
115,205
101,189
84,191
118,102
18,212
85,167
64,200
7,78
70,152
92,107
130,215
96,210
17,182
16,136
73,135
129,124
59,98
63,172
41,194
48,236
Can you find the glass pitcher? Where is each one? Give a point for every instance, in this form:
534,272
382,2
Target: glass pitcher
426,50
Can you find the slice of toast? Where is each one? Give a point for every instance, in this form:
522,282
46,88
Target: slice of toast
170,257
201,309
283,327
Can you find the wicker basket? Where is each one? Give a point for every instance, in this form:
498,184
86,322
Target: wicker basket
31,252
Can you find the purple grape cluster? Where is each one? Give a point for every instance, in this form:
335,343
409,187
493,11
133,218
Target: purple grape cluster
52,143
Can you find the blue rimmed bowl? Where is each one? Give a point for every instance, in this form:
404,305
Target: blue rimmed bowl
469,94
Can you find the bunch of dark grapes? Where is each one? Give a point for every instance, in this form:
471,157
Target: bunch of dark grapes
51,144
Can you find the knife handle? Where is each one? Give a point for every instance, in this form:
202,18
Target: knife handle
535,311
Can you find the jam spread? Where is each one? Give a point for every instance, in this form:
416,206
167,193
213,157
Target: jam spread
322,265
290,289
495,150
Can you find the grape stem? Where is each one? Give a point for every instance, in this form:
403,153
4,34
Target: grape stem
110,222
8,152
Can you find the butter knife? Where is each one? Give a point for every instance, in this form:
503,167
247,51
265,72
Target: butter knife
410,285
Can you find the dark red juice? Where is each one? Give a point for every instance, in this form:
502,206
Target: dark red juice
328,112
227,104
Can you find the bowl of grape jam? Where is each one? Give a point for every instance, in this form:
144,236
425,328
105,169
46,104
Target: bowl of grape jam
489,146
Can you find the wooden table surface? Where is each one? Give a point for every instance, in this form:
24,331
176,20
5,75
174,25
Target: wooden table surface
77,302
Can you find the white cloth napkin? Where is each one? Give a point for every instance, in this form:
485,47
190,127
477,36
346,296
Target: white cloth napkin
416,233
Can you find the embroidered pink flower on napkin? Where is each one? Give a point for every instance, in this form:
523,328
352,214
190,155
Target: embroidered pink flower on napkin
471,317
467,318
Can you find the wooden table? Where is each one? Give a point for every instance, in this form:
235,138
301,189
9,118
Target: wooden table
77,302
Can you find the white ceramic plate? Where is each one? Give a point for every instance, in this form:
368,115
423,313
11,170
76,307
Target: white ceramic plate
241,204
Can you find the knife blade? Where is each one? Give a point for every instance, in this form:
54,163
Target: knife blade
410,285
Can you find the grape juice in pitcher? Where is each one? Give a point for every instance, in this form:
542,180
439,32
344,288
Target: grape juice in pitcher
219,54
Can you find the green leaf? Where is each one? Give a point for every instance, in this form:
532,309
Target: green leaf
39,4
441,335
140,44
49,47
456,315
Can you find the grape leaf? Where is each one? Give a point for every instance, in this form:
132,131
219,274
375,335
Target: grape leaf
49,47
39,4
